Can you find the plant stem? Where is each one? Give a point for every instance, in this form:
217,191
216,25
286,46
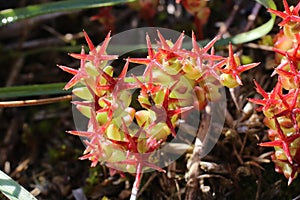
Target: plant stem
34,102
137,182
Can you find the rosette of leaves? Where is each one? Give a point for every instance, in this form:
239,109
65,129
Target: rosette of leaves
175,81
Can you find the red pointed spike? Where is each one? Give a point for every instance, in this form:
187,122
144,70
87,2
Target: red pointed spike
166,99
285,21
286,7
104,44
257,101
143,61
163,42
275,143
137,80
290,179
282,52
72,82
87,156
79,56
82,61
260,90
93,121
232,63
171,127
287,152
243,68
147,164
280,66
284,102
277,90
68,69
88,40
279,130
129,138
179,110
89,145
149,46
296,9
125,68
82,103
81,133
195,45
107,77
292,138
278,13
108,57
138,133
211,43
178,43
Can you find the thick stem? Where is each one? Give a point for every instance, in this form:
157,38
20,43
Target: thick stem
137,182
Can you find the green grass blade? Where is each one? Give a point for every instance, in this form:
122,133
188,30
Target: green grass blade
254,33
12,189
33,90
13,15
259,31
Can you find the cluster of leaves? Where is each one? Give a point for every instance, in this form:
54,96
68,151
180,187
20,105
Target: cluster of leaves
175,81
102,93
281,106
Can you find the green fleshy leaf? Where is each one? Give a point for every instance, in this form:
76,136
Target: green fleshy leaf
12,15
33,90
12,189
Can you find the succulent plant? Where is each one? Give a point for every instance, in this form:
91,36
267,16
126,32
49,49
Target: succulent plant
174,82
282,109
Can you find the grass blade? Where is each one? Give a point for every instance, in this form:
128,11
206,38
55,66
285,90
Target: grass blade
254,33
12,189
33,90
12,15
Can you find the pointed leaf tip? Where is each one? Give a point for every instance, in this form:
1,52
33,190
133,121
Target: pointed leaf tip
89,41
